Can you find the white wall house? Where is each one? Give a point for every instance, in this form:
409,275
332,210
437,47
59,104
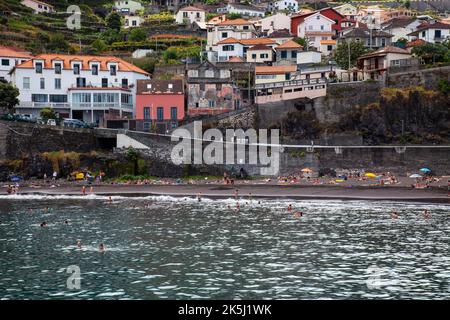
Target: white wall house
347,10
130,21
38,6
9,58
436,32
128,6
244,10
275,22
231,47
316,28
400,27
283,5
89,88
190,15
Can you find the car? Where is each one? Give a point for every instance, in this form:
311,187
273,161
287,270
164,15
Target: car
51,122
74,123
7,116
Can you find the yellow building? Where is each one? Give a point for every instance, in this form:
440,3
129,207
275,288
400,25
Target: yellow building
260,54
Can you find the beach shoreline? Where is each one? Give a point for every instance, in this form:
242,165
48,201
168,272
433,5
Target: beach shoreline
247,191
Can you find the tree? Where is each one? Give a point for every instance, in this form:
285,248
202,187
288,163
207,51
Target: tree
99,46
407,4
137,35
48,113
355,48
233,16
433,52
58,44
133,156
301,41
114,21
8,96
110,36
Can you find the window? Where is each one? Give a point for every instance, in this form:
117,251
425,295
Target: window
185,14
211,103
224,34
318,17
383,42
106,97
173,113
329,47
39,98
310,27
5,62
126,98
228,47
76,68
322,74
253,55
95,69
124,83
245,28
423,34
294,54
104,82
198,14
134,23
146,126
113,70
288,76
81,98
57,84
283,54
147,113
437,34
58,68
58,98
38,67
81,82
160,113
26,83
322,27
42,86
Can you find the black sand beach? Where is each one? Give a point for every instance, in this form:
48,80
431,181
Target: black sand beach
433,194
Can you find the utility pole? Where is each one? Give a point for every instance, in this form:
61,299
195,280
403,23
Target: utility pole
349,60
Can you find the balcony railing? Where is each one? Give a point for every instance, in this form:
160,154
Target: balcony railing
82,105
290,83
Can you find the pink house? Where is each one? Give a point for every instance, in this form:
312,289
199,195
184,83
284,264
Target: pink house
159,102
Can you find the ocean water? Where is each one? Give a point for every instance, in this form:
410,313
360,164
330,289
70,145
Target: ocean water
179,248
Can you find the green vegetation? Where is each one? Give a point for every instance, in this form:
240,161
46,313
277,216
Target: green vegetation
137,35
61,158
8,96
114,21
48,113
433,53
355,48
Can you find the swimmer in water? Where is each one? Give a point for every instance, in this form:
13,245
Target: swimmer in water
426,214
236,193
102,247
298,215
394,215
110,199
289,207
46,210
199,197
79,244
66,222
43,224
83,190
238,206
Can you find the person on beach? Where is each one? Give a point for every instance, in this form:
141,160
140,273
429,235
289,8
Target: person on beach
102,248
236,193
9,189
289,207
250,196
91,190
83,190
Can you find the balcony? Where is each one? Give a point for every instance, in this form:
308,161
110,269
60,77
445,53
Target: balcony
40,105
290,83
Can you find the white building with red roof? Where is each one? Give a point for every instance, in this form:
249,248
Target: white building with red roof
9,58
190,14
432,32
89,88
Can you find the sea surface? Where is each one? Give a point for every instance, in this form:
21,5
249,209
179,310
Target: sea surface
180,248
